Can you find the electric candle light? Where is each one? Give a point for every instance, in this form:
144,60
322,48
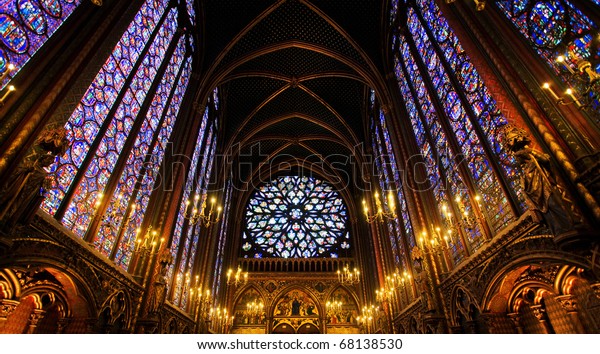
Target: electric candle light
570,93
11,88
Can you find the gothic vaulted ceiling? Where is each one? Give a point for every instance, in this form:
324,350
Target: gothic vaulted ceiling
294,77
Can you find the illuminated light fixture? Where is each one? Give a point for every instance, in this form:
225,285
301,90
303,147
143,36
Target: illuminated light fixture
239,278
387,211
347,276
197,215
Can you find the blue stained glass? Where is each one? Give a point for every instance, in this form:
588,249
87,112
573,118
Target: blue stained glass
25,25
96,102
190,238
556,27
434,167
189,187
191,11
301,225
488,117
117,132
473,149
141,146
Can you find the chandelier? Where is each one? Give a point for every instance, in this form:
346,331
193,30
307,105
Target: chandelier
334,308
452,224
347,276
584,78
387,211
220,320
200,215
254,308
237,279
367,319
397,283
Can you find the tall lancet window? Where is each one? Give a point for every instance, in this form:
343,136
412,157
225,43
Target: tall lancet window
456,124
25,26
391,181
558,28
186,234
119,131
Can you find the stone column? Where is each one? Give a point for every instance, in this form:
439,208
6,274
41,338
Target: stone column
6,308
516,320
34,318
569,303
539,311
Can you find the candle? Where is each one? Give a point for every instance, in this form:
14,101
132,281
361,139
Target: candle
546,86
570,93
562,60
11,88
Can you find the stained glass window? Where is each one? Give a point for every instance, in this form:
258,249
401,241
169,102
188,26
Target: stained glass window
295,217
186,235
463,129
222,237
553,28
25,25
119,131
390,180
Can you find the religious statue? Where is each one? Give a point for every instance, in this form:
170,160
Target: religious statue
541,189
158,292
25,188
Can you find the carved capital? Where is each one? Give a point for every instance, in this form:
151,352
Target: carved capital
539,312
7,307
568,302
34,318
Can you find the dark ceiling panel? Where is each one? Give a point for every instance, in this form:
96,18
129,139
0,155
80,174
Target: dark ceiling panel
244,95
360,19
292,21
251,83
293,100
294,62
298,127
346,96
224,19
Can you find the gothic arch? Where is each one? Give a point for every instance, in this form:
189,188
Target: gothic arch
465,310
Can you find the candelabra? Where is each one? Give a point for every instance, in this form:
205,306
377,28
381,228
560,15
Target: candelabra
201,308
149,242
582,74
240,277
368,319
465,220
334,310
254,312
145,250
347,276
115,219
10,89
198,215
397,283
221,322
254,308
382,212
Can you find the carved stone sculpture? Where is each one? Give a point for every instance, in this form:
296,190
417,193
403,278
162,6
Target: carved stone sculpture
540,187
158,292
24,190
